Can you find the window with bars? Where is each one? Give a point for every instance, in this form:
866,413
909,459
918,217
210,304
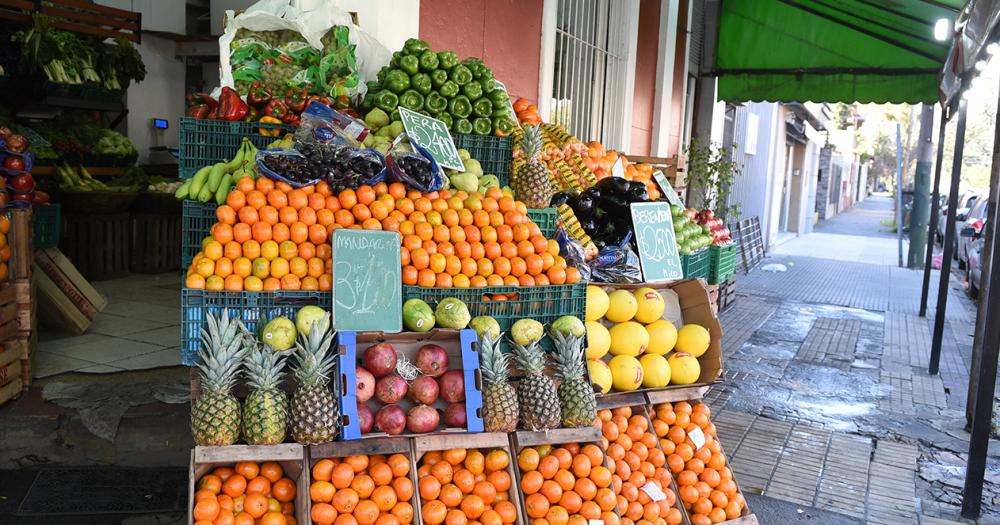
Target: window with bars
591,65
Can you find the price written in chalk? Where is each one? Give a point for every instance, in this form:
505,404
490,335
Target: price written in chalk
654,234
366,281
432,135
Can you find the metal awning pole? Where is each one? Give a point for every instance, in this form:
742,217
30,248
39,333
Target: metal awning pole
899,194
988,320
949,240
935,210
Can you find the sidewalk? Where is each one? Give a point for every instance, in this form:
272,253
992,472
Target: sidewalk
827,402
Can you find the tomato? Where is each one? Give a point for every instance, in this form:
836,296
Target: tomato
23,182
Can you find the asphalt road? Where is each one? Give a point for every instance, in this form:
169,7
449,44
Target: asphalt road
770,511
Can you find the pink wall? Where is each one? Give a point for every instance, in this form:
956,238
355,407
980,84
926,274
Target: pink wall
507,36
645,77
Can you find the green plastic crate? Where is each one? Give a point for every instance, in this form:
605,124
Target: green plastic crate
204,142
722,263
493,153
47,222
250,307
696,265
542,303
196,224
545,218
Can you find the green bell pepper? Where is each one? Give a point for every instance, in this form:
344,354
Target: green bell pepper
482,126
394,116
499,112
438,78
412,99
428,61
449,89
487,85
367,103
409,64
434,102
460,75
503,124
397,81
446,118
462,126
473,90
447,59
460,107
482,107
386,100
394,61
380,78
373,86
498,97
481,73
422,83
415,46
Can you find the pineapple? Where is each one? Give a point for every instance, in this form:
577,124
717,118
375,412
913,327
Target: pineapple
576,396
265,411
315,412
215,415
536,393
499,397
530,181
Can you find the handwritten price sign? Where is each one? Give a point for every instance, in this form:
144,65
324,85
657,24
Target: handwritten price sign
433,136
366,280
654,235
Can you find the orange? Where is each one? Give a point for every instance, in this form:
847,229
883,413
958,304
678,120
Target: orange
551,490
433,512
536,505
366,512
321,491
298,267
455,517
484,267
426,278
342,475
255,504
500,480
403,512
485,490
280,232
429,487
451,495
527,459
345,500
252,284
384,497
206,509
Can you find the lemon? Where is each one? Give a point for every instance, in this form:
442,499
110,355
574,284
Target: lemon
693,339
684,368
655,371
662,337
621,306
600,374
628,338
598,340
649,305
626,373
597,302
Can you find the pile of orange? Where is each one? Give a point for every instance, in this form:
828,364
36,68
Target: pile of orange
637,461
465,487
270,236
568,485
246,494
362,490
5,251
704,482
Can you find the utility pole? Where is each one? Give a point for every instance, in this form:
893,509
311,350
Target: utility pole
935,213
899,194
919,214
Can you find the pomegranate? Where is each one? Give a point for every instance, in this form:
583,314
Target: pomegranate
432,360
16,143
423,390
454,415
380,359
391,419
366,420
422,418
453,386
366,384
4,131
23,182
390,389
14,163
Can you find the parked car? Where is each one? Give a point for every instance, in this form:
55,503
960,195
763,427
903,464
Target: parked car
970,229
966,200
974,270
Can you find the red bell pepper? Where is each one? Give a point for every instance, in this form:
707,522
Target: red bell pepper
321,99
231,106
259,94
342,102
296,99
276,108
194,99
292,119
198,111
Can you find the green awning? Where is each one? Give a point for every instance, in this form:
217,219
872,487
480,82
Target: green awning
831,50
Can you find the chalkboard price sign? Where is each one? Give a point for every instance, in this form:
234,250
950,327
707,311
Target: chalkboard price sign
654,235
433,136
366,280
666,188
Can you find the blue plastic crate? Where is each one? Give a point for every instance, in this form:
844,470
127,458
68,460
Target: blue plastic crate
251,307
457,343
196,224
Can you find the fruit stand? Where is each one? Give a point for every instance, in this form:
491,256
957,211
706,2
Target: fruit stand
537,378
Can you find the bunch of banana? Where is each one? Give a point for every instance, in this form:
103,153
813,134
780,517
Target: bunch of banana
285,142
79,179
217,179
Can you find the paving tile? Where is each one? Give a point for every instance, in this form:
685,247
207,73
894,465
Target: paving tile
104,352
115,325
100,369
49,364
137,309
157,359
166,336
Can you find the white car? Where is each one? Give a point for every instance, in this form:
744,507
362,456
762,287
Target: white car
969,230
966,200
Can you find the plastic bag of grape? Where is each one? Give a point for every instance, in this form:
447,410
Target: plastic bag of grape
328,140
413,165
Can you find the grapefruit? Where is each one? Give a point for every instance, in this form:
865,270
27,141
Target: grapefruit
626,373
280,333
417,316
600,374
649,305
684,368
597,302
621,306
308,315
693,339
598,340
569,325
655,371
485,324
628,338
662,337
526,331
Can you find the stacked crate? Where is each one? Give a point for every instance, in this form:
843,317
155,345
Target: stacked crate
18,337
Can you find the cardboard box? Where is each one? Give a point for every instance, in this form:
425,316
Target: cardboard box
56,309
687,301
66,277
290,456
462,354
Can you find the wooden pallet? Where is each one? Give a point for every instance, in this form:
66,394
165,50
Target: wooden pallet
727,294
99,244
156,242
